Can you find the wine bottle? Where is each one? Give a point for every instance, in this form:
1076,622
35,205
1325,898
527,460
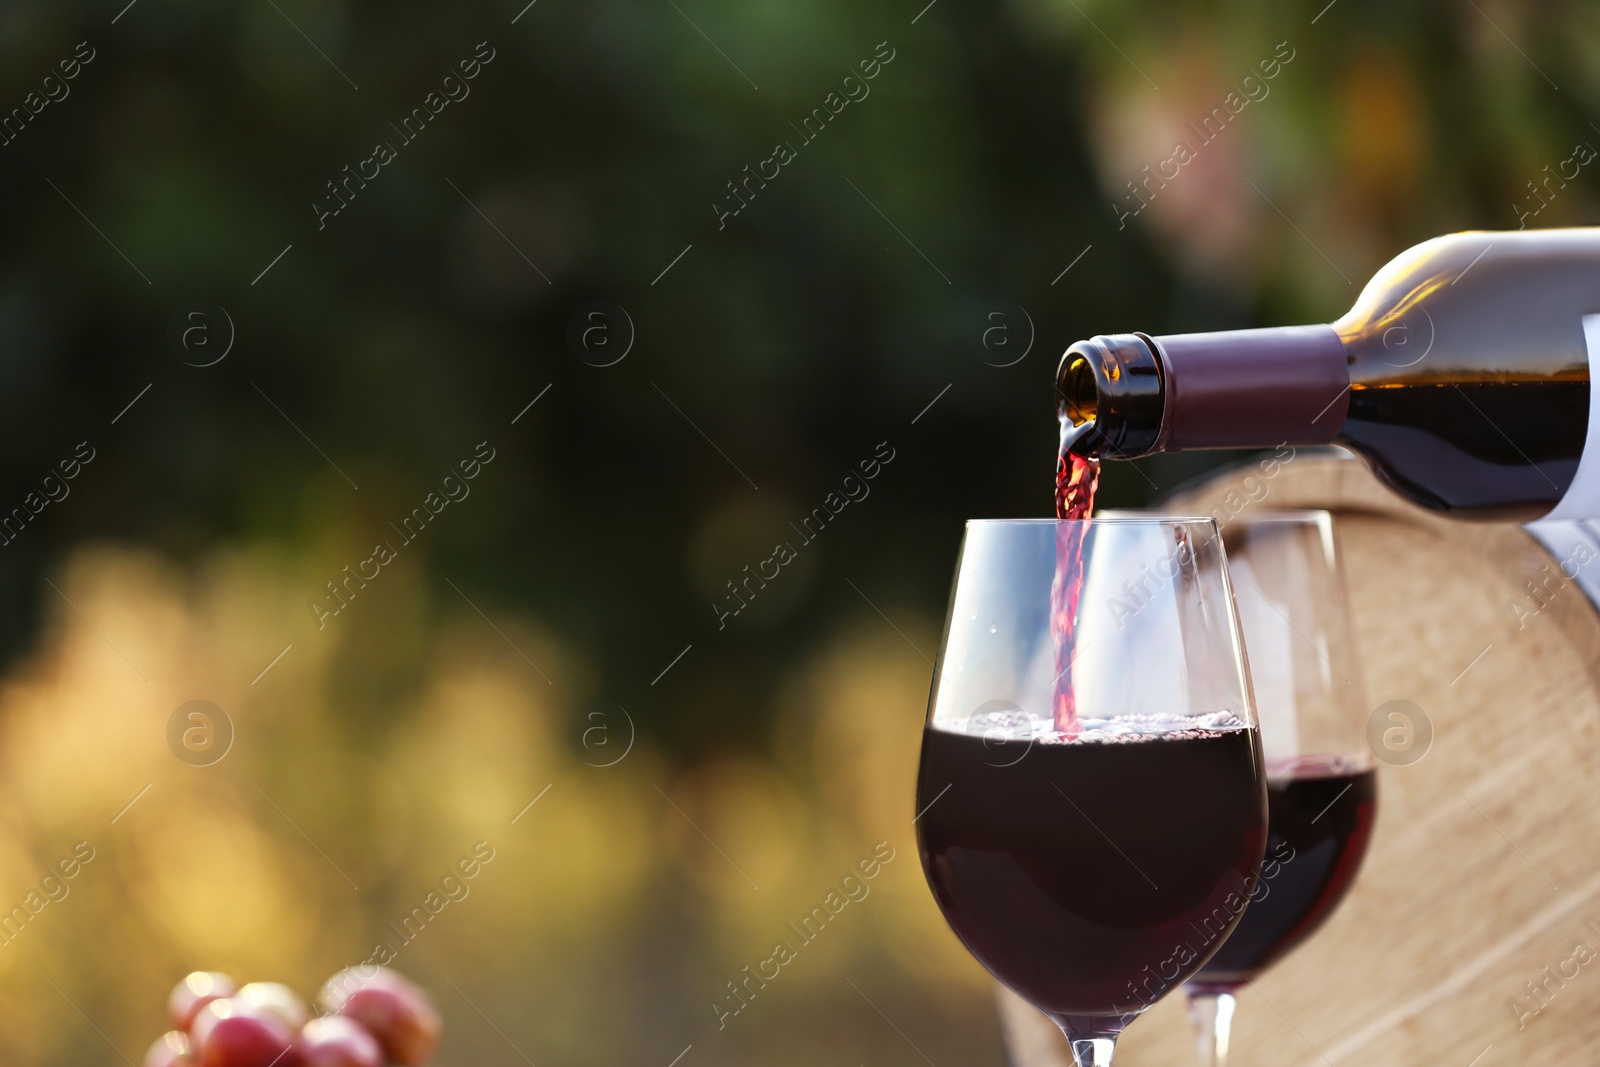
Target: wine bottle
1461,375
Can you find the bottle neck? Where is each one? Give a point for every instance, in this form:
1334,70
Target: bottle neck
1133,394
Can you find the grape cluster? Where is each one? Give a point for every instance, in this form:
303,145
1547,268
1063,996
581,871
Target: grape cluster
374,1018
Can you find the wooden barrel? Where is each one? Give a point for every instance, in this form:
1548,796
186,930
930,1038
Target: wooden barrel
1472,937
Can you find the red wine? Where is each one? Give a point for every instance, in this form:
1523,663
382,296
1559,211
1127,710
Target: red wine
1489,473
1095,872
1462,375
1077,477
1318,824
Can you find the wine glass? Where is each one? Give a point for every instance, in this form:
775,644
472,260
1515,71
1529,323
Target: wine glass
1321,782
1091,804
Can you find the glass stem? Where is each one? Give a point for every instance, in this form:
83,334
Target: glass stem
1212,1015
1093,1051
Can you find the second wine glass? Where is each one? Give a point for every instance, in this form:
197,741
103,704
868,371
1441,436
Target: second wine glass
1321,781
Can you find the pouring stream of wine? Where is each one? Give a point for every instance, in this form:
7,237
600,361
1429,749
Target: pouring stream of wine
1076,479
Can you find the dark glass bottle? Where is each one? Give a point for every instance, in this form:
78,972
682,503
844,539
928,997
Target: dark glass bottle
1461,375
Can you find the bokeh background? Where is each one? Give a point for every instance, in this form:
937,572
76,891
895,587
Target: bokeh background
902,287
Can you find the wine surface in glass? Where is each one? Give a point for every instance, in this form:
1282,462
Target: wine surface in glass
1319,821
1092,873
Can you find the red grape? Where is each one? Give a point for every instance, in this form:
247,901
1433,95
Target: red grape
274,999
395,1011
195,992
339,1041
170,1050
206,1018
248,1041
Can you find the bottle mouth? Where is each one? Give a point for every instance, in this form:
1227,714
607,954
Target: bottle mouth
1078,394
1109,389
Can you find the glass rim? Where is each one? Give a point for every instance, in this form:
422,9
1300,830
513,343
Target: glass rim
1261,515
1123,519
1266,515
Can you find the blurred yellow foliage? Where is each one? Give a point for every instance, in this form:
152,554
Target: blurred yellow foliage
312,840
